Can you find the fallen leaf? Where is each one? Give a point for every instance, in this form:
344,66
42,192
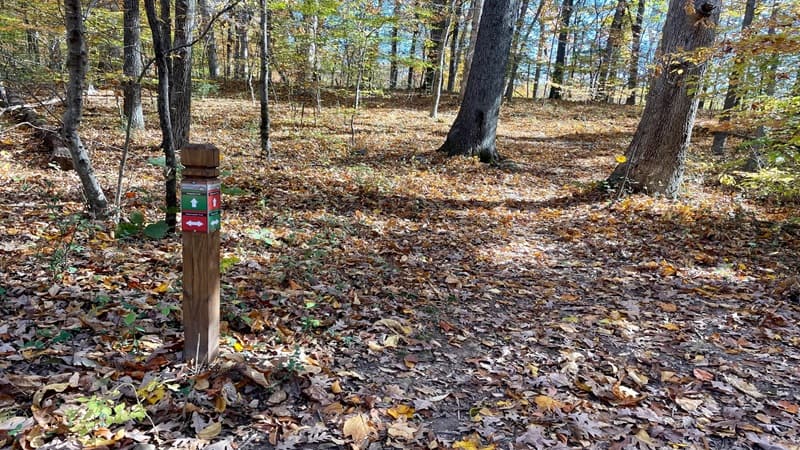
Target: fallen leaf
703,375
789,407
401,429
668,307
670,326
401,411
357,427
743,386
211,431
688,404
548,403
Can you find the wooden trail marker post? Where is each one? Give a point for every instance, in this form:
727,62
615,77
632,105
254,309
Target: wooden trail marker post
200,223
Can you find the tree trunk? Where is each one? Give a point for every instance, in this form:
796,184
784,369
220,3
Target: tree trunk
636,46
519,46
540,53
166,30
451,75
164,120
211,41
180,84
412,52
561,52
515,43
477,11
77,62
475,128
229,43
242,46
132,65
266,144
608,57
439,69
656,156
438,38
393,61
732,95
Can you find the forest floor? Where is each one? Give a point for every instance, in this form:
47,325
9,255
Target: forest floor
383,296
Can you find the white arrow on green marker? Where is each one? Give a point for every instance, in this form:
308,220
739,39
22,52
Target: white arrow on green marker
214,222
194,203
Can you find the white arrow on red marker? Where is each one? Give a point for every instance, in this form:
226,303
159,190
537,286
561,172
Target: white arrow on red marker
214,202
192,223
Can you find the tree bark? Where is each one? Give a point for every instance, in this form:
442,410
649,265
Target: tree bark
180,83
211,42
540,51
453,69
636,46
477,11
266,144
519,45
393,61
475,129
438,35
132,65
412,52
438,38
561,52
160,49
732,95
609,56
77,63
439,69
656,156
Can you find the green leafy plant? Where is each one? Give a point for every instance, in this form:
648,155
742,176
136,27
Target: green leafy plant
64,243
100,412
136,226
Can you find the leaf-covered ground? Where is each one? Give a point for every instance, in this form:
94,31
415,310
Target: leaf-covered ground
382,296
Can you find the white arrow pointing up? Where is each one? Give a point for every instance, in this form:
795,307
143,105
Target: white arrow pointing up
192,223
214,202
194,203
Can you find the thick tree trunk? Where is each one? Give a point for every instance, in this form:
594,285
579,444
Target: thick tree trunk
164,120
132,65
561,52
77,62
656,156
477,11
180,83
636,46
242,49
608,58
210,41
732,96
475,128
266,144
